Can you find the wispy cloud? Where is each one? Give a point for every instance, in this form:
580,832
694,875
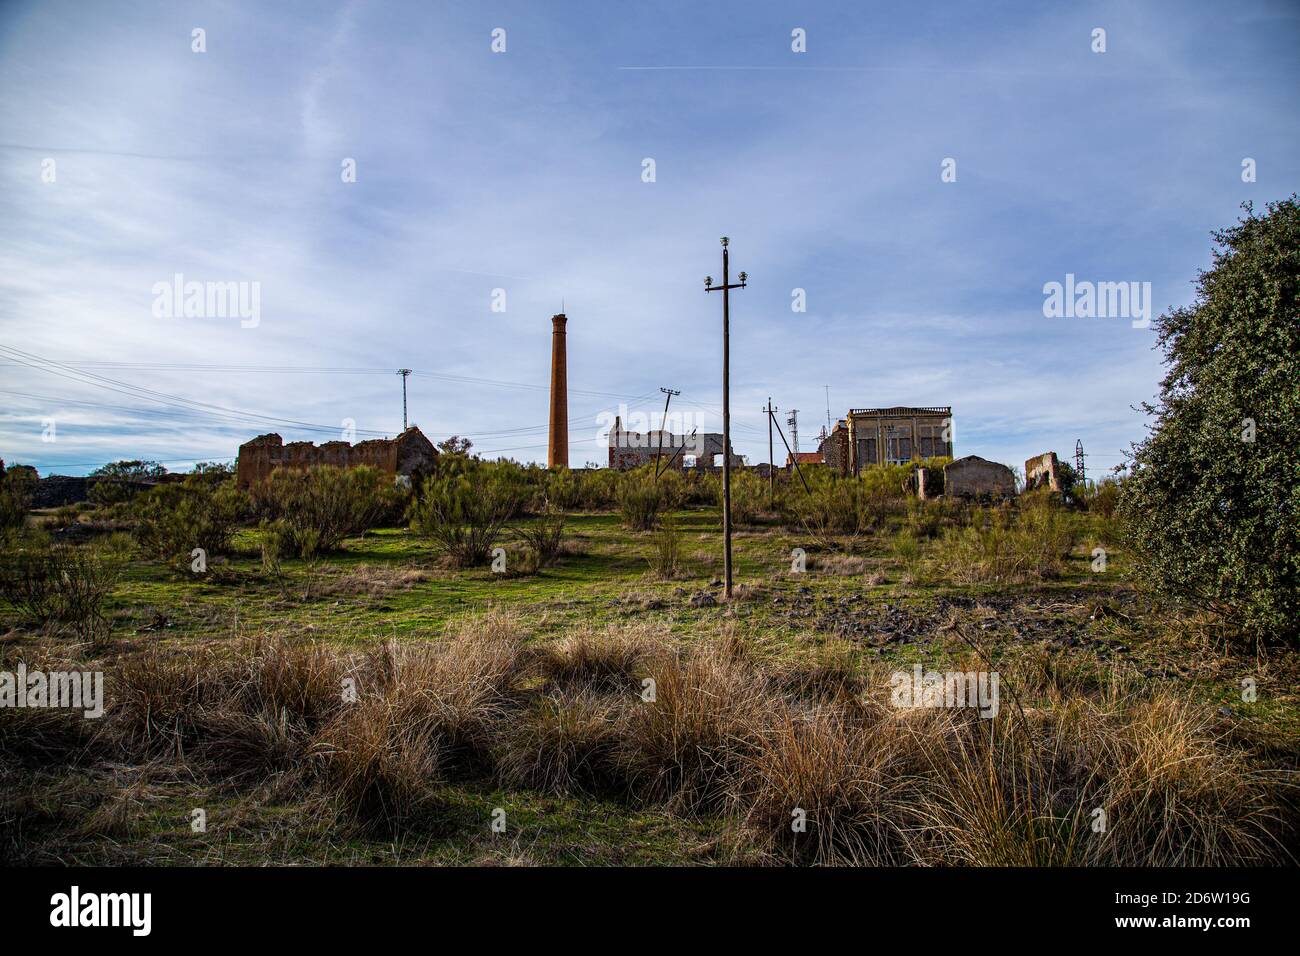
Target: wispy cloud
522,171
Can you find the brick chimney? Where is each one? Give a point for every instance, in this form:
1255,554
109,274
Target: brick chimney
557,447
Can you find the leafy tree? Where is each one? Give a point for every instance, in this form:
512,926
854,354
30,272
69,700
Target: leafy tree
455,445
1211,506
121,481
134,470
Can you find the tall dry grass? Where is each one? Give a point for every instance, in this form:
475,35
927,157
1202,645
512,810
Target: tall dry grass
709,727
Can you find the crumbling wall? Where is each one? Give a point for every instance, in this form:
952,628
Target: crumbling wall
406,454
975,477
928,482
835,449
1043,471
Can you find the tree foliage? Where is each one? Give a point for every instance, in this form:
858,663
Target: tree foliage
1212,503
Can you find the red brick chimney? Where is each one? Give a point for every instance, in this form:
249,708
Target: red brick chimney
557,447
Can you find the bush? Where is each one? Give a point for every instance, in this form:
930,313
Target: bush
1000,547
463,509
65,583
910,553
748,496
15,499
319,507
175,519
1101,499
666,558
544,536
28,581
640,500
834,507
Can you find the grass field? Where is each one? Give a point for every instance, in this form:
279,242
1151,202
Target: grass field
1084,658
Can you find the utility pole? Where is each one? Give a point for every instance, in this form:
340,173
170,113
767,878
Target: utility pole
726,288
797,470
659,450
1079,471
404,372
771,459
793,422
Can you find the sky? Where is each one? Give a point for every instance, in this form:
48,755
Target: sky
495,187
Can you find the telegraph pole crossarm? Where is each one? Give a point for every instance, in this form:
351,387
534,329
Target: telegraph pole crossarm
725,289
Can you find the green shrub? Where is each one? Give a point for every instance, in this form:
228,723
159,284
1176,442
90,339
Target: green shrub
174,519
833,508
1211,504
463,509
319,507
910,553
665,559
1003,547
544,536
16,485
641,499
748,496
45,582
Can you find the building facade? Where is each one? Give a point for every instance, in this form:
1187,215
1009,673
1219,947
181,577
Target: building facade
896,435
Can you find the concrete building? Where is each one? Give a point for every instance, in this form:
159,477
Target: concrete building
557,444
407,454
628,449
896,435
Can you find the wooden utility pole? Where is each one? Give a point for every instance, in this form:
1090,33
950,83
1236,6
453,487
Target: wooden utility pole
659,450
771,460
726,288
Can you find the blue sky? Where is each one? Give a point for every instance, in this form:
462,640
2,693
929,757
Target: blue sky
522,171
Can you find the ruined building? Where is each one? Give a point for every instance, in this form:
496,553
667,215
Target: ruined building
405,455
557,444
1043,471
896,436
629,449
975,477
834,448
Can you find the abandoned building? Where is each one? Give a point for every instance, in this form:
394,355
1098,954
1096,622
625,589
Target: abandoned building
628,449
975,477
1043,471
804,458
834,448
894,436
405,455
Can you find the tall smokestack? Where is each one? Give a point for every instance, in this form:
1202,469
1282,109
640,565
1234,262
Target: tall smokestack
557,448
